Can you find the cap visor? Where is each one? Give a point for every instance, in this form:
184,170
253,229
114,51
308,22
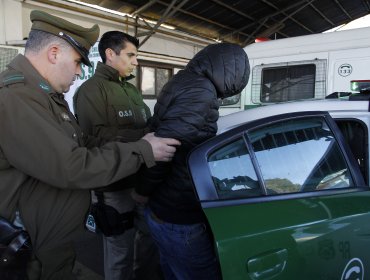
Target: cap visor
84,58
86,61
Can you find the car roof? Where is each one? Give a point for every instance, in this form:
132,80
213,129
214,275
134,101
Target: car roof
333,106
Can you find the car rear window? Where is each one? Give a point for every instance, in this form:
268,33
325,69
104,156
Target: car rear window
290,156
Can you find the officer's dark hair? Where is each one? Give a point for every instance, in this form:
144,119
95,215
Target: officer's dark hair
38,39
115,40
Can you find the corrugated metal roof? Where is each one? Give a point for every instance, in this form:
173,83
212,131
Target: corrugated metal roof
241,21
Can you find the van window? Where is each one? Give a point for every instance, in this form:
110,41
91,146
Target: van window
232,100
287,81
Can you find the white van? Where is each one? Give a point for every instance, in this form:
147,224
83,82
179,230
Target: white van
304,67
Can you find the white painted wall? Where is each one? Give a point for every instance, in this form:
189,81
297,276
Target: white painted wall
10,20
15,25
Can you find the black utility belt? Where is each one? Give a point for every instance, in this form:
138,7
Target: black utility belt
109,221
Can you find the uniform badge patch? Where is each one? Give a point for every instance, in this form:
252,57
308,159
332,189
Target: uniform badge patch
44,86
125,113
65,117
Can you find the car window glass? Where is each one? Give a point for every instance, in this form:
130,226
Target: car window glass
355,134
299,155
232,171
148,81
162,77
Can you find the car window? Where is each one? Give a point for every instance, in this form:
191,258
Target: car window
355,134
297,155
232,171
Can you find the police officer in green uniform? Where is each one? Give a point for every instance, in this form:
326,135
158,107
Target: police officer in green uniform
47,165
108,106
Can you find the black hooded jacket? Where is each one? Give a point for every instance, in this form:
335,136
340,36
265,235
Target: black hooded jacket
187,110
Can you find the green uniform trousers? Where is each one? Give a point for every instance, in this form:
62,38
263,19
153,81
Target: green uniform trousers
58,262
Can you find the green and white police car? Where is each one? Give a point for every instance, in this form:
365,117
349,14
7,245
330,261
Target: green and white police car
286,191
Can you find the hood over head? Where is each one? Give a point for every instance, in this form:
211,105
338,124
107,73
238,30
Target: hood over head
225,65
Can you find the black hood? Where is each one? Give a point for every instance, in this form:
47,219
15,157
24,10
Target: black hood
226,65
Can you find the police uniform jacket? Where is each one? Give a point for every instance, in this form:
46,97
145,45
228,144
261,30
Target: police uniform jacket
110,107
107,106
45,167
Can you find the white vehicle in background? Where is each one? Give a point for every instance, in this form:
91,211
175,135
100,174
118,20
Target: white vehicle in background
304,67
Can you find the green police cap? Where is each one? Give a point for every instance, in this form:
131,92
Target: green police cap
79,37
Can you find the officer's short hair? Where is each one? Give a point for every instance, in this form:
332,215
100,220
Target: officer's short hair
115,40
37,40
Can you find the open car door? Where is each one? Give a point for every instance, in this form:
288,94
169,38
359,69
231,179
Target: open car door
285,200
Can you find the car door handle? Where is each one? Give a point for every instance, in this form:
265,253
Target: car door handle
267,264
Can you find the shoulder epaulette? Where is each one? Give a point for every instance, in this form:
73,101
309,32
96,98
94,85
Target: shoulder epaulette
11,77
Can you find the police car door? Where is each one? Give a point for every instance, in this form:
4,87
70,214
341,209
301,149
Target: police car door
285,200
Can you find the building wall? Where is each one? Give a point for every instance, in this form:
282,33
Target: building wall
15,26
11,22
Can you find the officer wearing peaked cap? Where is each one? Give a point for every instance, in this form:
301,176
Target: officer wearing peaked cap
80,38
47,166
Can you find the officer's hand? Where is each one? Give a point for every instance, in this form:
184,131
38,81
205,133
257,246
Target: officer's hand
163,148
